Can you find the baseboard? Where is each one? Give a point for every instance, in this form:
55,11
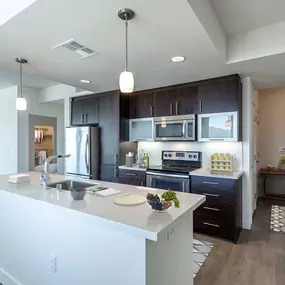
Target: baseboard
7,279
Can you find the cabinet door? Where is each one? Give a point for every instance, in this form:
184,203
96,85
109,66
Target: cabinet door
77,112
164,102
91,111
218,97
109,173
186,101
109,127
142,105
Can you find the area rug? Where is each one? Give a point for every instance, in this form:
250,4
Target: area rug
201,250
277,222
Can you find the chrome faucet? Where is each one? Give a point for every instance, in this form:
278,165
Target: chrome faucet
45,175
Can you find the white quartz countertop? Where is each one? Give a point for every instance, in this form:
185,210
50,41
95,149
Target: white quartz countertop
207,173
135,167
138,220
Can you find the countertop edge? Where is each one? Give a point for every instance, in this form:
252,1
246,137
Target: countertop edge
132,168
236,175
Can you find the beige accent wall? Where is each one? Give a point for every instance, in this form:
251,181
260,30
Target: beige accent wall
272,125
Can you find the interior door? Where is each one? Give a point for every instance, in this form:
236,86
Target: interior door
77,145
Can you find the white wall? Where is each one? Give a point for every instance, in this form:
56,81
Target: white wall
36,108
8,130
247,129
154,150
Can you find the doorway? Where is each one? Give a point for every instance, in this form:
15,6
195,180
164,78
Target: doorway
44,145
42,142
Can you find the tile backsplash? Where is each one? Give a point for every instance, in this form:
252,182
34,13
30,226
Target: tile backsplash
154,150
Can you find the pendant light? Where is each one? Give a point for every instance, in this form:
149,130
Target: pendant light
127,81
21,103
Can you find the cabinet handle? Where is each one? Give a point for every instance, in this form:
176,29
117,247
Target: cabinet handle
201,106
86,117
211,209
171,109
176,107
82,118
212,183
211,225
151,111
211,195
130,174
116,159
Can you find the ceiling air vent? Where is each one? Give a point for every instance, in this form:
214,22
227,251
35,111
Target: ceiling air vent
73,46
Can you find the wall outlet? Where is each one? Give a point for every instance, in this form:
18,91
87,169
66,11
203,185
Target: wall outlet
282,149
53,263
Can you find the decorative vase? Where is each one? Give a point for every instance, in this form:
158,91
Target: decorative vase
283,166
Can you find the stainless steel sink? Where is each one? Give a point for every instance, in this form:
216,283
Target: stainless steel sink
72,184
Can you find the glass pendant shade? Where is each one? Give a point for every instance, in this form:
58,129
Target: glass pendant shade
21,104
127,82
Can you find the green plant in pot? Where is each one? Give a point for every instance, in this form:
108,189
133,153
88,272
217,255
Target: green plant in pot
282,162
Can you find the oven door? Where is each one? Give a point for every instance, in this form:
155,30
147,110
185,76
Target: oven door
165,130
190,130
165,181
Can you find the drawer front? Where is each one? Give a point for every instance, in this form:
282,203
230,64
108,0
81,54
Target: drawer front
219,211
133,174
130,181
210,225
213,188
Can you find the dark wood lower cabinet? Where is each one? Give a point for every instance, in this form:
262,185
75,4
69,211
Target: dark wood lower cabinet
221,214
132,177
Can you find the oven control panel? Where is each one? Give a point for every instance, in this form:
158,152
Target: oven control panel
181,155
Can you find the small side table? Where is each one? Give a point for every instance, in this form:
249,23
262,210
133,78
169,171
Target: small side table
265,173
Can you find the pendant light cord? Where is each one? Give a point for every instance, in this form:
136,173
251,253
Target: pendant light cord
126,25
21,80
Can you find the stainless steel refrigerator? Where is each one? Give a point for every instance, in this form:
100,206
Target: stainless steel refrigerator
83,145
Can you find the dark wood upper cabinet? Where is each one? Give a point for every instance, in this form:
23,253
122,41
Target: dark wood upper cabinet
164,101
186,100
92,110
84,111
216,97
77,112
141,104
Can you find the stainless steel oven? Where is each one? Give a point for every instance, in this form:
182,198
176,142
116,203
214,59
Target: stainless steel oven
175,128
174,171
174,181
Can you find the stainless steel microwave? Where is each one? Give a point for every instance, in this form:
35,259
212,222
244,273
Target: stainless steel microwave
175,128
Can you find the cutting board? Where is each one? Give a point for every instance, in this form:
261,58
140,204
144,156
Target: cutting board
130,200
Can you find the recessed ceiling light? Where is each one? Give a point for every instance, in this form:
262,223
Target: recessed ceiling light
178,58
85,81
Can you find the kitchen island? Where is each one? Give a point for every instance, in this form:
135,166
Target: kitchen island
47,238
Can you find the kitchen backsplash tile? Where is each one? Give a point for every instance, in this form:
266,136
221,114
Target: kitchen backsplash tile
154,150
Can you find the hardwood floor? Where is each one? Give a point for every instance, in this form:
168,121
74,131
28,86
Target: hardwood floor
257,259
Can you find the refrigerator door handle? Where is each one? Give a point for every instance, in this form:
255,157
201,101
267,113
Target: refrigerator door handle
86,153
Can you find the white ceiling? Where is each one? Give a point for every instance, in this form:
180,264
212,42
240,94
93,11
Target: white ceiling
239,16
160,30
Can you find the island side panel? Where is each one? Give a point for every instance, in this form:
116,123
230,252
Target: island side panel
87,251
170,260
